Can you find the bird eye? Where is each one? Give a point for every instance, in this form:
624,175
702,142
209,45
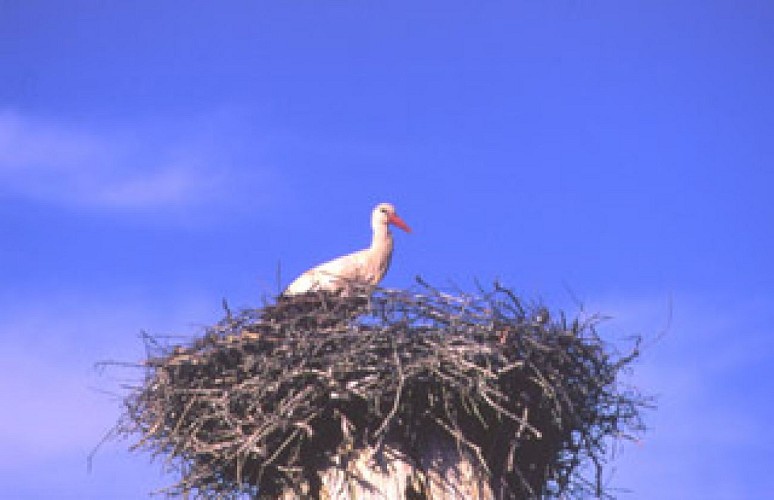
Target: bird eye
384,210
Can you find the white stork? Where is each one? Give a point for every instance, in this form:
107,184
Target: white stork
361,269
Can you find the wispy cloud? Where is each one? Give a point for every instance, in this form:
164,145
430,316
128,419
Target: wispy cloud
131,166
709,372
58,406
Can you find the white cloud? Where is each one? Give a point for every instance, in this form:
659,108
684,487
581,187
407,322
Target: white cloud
134,166
48,355
710,374
57,407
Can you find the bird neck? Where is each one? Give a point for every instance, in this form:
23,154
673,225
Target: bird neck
381,241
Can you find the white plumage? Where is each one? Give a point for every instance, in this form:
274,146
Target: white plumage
364,268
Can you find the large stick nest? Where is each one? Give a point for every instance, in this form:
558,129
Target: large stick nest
268,396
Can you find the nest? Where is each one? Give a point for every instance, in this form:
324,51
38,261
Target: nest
268,397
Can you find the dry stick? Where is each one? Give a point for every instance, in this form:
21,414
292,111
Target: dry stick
460,438
515,418
445,341
396,401
523,423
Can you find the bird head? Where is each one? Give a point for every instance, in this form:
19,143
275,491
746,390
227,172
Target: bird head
384,215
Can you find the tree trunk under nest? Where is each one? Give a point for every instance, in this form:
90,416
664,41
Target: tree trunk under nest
442,471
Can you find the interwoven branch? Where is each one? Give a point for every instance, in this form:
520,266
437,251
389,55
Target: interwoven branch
268,396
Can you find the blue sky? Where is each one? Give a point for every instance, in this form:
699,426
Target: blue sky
156,157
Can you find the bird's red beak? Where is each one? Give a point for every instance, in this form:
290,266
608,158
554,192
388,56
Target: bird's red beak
394,219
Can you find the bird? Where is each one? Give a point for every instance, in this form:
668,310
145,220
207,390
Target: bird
363,269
